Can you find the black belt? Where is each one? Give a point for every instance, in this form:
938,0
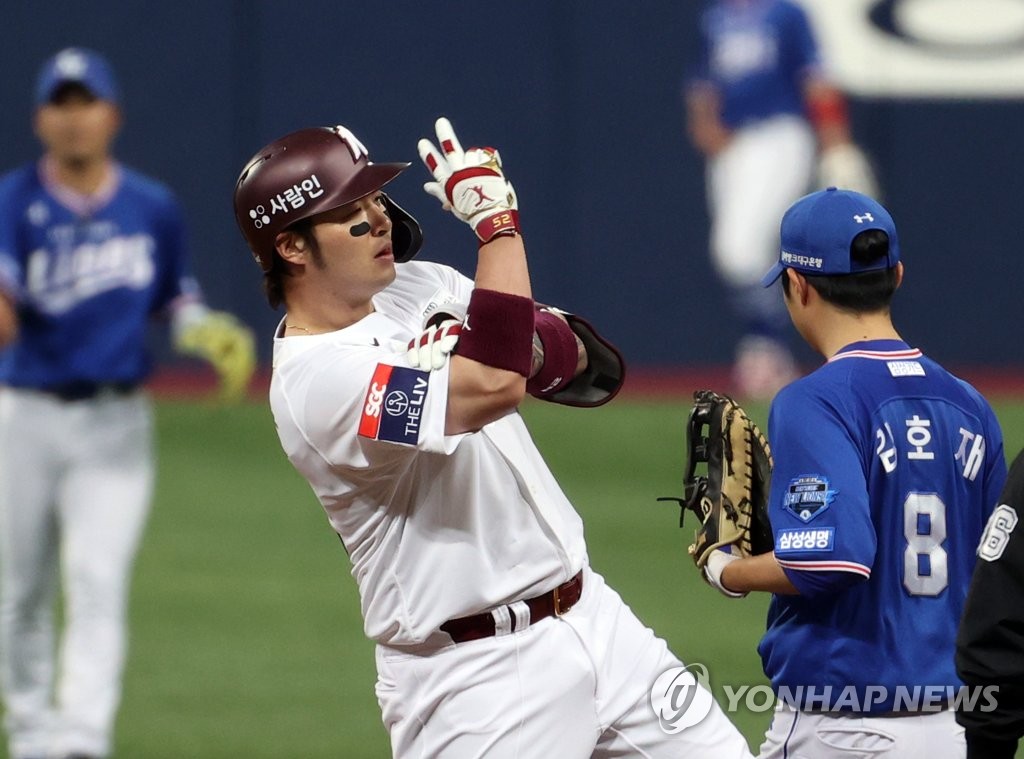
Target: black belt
83,391
554,603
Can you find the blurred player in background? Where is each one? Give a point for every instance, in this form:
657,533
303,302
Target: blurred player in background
761,110
886,470
990,646
494,636
89,251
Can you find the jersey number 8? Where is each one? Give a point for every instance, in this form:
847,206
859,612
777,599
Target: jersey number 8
925,569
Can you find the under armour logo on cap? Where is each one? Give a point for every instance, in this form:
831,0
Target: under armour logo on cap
76,65
817,232
70,64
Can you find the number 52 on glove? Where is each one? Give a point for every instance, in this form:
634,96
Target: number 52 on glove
731,497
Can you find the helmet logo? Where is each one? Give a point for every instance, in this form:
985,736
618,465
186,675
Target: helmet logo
355,147
259,216
289,199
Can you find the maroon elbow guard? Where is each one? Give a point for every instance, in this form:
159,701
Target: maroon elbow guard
498,331
561,355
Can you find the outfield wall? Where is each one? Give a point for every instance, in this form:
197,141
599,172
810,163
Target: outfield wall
582,98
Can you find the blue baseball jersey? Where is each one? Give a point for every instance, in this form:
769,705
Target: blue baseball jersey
756,54
887,468
85,275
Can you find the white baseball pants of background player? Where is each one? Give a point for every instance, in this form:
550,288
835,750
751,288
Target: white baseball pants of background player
76,479
750,184
570,687
810,735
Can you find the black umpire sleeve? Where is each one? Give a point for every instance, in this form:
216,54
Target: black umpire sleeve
990,644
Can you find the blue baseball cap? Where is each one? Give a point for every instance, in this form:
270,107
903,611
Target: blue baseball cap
817,231
76,65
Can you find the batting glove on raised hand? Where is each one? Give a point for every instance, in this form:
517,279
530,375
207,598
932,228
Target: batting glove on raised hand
471,184
431,349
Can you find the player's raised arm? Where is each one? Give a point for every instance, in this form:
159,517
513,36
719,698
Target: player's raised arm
494,353
509,345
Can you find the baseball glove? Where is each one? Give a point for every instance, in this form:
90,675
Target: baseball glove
731,499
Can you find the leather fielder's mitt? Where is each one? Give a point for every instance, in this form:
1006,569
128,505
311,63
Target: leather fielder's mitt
731,498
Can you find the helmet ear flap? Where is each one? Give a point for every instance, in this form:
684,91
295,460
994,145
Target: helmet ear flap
406,234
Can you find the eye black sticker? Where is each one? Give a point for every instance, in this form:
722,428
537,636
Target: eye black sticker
360,229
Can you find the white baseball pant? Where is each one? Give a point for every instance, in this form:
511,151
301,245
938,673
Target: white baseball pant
75,485
569,687
751,183
812,735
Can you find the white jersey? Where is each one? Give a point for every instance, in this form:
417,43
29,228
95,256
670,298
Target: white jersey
437,526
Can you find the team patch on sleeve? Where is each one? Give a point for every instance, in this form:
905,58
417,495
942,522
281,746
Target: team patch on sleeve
808,496
792,541
393,408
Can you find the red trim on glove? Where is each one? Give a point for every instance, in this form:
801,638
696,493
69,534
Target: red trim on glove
561,355
463,174
498,331
427,337
501,224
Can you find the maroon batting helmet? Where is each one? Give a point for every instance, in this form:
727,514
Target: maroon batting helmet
308,172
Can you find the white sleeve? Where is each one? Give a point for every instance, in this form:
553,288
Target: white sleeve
449,278
452,296
364,407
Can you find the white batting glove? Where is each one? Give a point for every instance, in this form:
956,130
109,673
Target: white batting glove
471,184
717,561
431,349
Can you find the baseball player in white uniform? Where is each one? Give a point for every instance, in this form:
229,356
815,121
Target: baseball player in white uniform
395,392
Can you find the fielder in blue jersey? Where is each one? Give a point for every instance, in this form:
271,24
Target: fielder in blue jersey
762,110
89,251
887,468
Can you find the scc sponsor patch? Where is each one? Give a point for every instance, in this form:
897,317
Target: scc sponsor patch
393,407
808,496
791,541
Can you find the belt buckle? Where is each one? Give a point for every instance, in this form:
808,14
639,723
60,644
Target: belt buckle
559,611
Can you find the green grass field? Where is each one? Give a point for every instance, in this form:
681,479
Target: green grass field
246,638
